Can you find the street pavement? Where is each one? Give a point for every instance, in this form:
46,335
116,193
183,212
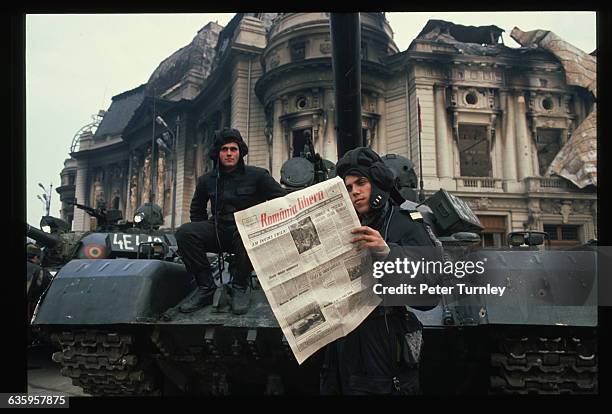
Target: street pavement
44,376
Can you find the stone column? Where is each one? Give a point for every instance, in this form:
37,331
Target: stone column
184,187
381,136
161,168
146,174
509,150
278,138
443,159
523,148
330,149
80,220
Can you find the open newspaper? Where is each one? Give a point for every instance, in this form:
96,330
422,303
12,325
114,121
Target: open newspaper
317,283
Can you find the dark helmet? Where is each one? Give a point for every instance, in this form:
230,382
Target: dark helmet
223,137
365,162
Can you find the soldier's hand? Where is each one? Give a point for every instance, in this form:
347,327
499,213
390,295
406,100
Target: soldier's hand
371,239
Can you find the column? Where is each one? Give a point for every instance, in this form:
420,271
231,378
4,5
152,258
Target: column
80,221
381,134
508,139
278,136
523,149
442,146
330,149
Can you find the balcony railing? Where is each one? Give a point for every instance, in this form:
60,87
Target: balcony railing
548,184
479,184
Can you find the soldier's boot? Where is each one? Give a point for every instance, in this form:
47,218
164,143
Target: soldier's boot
203,295
200,297
241,299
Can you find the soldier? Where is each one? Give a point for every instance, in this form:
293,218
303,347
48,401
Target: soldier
369,360
231,186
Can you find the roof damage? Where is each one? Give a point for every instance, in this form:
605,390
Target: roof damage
474,40
120,112
577,160
197,55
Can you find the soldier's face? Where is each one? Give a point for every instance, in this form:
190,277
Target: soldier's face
359,189
229,155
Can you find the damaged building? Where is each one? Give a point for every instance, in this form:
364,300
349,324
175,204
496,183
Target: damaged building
512,131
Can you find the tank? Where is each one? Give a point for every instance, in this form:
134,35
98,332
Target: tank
541,338
114,314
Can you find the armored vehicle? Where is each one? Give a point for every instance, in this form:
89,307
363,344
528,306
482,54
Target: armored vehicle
115,316
539,337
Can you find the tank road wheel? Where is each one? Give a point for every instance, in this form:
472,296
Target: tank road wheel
105,363
563,363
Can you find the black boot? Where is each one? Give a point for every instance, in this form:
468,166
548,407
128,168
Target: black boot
200,297
241,299
203,295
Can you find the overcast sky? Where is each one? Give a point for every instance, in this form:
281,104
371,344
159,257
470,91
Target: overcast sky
75,64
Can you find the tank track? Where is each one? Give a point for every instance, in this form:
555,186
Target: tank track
104,363
551,364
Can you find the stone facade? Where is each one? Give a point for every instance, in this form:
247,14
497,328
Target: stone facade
492,118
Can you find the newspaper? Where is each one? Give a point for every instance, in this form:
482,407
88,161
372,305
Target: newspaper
318,284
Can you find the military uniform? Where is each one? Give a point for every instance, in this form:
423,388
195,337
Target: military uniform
242,188
228,192
380,356
370,359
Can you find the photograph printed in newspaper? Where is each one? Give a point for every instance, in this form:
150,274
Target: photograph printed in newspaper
318,284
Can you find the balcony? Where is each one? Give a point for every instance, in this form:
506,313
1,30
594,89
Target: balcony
548,185
479,184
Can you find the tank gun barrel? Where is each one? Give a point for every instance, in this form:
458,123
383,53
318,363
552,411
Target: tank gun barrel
40,236
99,213
346,63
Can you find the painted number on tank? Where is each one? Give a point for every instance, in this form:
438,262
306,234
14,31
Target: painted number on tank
130,242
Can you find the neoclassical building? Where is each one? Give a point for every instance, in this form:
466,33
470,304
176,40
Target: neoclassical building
494,120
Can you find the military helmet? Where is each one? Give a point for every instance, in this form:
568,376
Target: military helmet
365,162
223,137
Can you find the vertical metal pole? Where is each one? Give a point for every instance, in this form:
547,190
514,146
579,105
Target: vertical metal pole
345,31
174,162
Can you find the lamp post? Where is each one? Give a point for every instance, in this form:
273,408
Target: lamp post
162,144
46,197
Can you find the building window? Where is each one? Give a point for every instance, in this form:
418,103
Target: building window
366,137
548,144
301,102
494,233
298,51
474,153
300,137
563,235
548,104
471,98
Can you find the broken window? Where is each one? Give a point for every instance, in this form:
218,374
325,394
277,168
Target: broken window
300,138
548,143
298,51
474,154
366,137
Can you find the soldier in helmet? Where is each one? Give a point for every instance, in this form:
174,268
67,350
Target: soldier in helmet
375,358
230,187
